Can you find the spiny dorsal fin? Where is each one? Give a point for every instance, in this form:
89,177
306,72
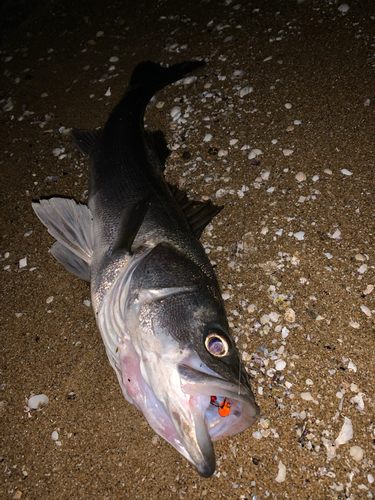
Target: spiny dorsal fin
85,140
198,213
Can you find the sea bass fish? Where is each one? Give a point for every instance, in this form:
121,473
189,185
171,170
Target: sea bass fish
156,299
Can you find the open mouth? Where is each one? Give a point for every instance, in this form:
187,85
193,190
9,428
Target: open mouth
219,408
226,408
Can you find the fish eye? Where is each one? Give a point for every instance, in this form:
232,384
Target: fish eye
217,344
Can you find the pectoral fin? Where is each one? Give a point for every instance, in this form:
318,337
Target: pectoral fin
70,223
131,222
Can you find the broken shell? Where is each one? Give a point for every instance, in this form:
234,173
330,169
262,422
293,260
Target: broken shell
282,473
358,402
360,257
290,315
306,396
366,310
38,402
300,177
346,433
280,364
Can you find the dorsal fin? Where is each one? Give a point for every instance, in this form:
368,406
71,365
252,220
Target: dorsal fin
198,213
85,140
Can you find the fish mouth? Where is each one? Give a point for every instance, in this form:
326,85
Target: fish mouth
217,408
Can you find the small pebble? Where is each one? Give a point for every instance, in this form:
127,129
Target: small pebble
232,142
354,324
238,73
23,263
8,106
175,112
254,153
207,137
108,93
55,436
189,79
344,7
357,453
368,290
49,300
222,153
244,91
363,268
299,236
346,172
287,152
288,105
86,303
113,59
336,235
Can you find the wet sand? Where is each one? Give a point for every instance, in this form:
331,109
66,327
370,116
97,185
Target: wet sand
279,243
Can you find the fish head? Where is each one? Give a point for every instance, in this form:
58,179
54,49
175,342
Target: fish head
195,388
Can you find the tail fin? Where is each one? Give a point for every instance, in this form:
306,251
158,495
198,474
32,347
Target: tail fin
150,74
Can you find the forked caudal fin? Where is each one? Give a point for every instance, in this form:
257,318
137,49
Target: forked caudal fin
70,223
